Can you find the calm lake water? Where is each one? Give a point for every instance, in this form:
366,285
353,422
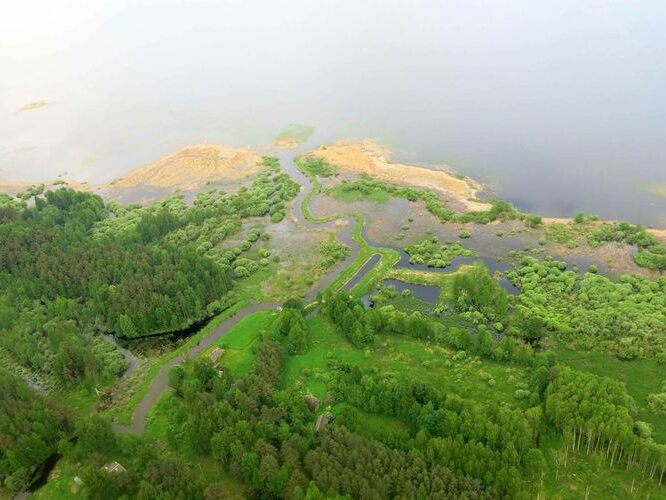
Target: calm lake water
559,107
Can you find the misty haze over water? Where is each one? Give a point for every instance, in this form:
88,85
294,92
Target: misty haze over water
560,107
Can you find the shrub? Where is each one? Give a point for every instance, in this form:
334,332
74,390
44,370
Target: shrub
277,217
534,220
241,272
522,394
657,402
642,429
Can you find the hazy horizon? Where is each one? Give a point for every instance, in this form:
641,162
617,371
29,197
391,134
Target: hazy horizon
560,108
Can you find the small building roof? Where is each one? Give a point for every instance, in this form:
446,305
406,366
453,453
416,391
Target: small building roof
216,354
114,468
323,420
311,401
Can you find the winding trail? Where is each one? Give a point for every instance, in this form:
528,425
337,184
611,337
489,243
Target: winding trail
160,382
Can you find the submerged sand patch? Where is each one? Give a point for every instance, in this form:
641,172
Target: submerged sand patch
193,166
293,136
658,190
368,157
40,103
557,220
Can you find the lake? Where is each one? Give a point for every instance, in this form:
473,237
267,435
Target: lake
557,107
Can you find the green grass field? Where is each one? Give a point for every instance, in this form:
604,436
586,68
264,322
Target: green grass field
469,377
240,340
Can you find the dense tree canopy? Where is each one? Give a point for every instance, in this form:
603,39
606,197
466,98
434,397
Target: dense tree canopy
71,267
626,317
30,428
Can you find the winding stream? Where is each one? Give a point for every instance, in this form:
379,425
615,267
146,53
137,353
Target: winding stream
160,383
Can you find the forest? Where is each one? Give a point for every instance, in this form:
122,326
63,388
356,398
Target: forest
72,268
268,436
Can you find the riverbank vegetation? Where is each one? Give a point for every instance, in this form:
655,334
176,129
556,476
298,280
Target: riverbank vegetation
388,257
368,188
650,253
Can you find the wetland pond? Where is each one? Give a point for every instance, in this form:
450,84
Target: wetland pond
426,293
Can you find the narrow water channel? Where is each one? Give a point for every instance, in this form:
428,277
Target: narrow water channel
159,384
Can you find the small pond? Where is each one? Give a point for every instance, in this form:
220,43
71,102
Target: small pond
427,293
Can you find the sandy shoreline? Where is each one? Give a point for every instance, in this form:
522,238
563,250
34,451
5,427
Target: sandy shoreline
15,187
192,167
370,158
659,233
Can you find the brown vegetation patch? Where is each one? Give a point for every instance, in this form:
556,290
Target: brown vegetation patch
15,187
659,233
193,166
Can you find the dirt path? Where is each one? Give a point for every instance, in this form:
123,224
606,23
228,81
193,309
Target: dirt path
160,383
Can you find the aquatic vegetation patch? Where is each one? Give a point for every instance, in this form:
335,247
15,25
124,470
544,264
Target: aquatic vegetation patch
433,254
316,166
651,254
625,318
